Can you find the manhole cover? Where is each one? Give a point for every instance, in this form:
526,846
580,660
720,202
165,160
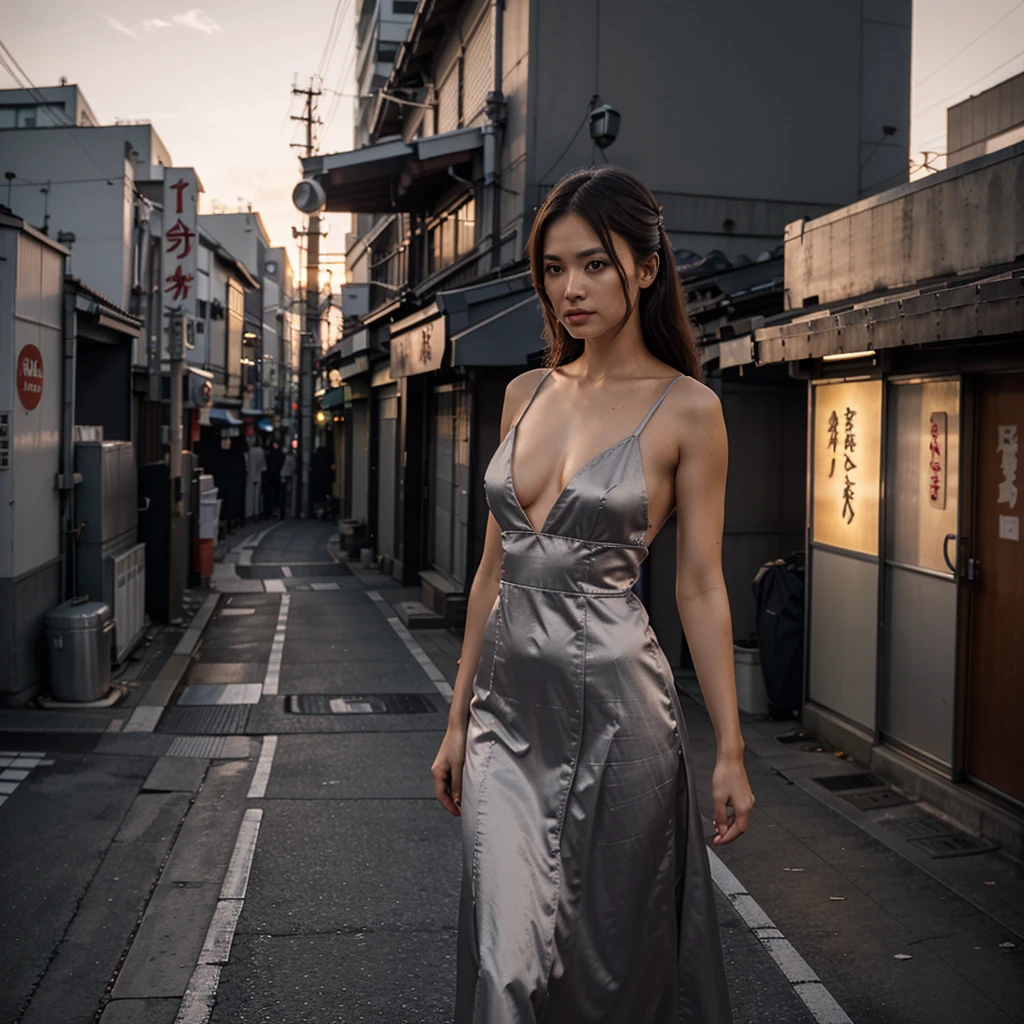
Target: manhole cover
918,828
956,845
873,798
362,704
841,783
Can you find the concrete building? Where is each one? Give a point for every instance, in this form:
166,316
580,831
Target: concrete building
984,123
485,109
906,318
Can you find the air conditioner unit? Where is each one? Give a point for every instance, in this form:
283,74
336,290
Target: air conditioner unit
355,299
126,583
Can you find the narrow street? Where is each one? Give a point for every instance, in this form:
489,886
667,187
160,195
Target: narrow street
273,850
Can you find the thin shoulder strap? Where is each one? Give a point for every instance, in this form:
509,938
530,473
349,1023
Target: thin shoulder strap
540,384
654,408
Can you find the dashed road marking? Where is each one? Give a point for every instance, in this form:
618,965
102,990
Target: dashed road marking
273,674
806,984
286,571
436,676
258,788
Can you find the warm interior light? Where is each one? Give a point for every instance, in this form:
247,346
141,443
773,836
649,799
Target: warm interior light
320,416
836,357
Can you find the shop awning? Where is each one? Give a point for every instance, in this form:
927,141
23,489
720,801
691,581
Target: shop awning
224,416
392,176
332,398
507,338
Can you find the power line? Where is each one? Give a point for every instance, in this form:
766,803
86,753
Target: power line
340,12
962,89
336,102
558,160
969,45
41,99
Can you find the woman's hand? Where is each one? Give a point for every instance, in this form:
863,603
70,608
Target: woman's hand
730,788
447,769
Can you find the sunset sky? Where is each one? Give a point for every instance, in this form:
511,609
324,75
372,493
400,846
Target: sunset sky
216,81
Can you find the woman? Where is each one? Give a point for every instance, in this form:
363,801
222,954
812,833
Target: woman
586,892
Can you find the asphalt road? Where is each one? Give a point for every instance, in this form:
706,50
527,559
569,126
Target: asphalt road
283,860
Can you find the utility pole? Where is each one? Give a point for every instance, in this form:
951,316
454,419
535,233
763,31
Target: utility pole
311,316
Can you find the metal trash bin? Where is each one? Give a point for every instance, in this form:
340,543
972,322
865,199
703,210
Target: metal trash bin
79,636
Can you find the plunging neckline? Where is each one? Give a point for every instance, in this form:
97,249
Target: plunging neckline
513,430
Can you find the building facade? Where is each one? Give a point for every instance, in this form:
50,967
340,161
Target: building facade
907,319
485,108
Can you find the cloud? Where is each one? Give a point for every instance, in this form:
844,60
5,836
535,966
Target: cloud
155,24
197,19
118,26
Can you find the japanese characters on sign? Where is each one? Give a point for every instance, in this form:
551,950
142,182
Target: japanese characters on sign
1009,526
5,440
30,376
847,442
181,240
935,456
1008,451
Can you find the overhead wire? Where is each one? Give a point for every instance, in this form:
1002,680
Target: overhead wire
332,38
962,89
946,63
33,91
339,91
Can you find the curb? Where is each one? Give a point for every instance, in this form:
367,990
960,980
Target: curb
149,709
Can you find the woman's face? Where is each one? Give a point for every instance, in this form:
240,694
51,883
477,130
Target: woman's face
581,281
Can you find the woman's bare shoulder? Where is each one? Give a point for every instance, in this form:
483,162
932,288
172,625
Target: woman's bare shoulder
520,387
695,410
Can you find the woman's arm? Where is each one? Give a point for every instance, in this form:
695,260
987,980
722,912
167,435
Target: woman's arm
482,595
447,766
703,602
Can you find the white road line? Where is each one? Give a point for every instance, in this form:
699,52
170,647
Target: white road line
273,674
286,571
806,984
201,993
237,878
258,788
273,586
436,676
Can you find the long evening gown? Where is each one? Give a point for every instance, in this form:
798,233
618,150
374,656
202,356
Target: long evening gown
586,892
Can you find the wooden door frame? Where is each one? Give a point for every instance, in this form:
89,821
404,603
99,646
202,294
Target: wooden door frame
964,549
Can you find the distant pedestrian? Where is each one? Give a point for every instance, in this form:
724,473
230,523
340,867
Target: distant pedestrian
272,481
255,464
288,483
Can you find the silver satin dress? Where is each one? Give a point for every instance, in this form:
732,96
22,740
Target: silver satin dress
586,893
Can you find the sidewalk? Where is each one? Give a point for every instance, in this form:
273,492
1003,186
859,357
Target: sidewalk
91,803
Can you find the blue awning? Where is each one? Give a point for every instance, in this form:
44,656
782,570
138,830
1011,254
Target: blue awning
225,416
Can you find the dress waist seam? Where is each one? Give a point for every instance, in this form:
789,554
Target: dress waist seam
572,593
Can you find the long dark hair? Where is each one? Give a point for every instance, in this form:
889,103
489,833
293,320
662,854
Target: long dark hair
611,199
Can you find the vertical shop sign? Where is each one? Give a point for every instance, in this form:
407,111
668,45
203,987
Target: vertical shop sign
847,461
1009,526
5,440
181,239
935,456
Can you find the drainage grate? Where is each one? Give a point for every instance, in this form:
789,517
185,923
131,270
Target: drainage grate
363,704
841,783
219,719
874,798
958,844
920,827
